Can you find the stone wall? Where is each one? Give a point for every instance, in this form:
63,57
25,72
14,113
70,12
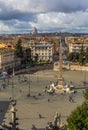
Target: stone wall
71,67
78,67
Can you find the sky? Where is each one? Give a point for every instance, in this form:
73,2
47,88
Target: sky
21,16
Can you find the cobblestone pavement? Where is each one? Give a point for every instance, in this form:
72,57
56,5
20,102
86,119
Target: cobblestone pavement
39,102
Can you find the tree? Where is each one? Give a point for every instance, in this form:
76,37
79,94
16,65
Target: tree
18,49
73,56
78,119
36,57
28,54
85,94
86,55
82,56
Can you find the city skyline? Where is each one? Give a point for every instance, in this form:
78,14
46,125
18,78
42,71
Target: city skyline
18,16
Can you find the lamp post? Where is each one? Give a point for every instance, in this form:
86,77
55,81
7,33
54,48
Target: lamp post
28,95
12,91
13,71
37,77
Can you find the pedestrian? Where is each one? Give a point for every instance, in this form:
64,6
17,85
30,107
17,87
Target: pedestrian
19,78
40,116
57,119
33,127
70,99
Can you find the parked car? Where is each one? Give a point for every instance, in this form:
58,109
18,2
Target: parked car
28,66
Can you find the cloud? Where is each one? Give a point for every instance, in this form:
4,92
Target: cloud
17,9
7,12
5,28
43,6
62,20
50,15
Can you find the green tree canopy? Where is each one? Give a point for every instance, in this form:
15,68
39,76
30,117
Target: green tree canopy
86,55
85,94
36,57
73,56
82,56
78,119
28,54
18,49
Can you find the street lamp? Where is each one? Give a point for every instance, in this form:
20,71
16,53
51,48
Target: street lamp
28,95
12,91
13,94
37,77
13,71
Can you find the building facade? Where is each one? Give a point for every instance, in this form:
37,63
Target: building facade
76,43
8,60
43,49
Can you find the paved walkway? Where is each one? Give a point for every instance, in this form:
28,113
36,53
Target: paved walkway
42,103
